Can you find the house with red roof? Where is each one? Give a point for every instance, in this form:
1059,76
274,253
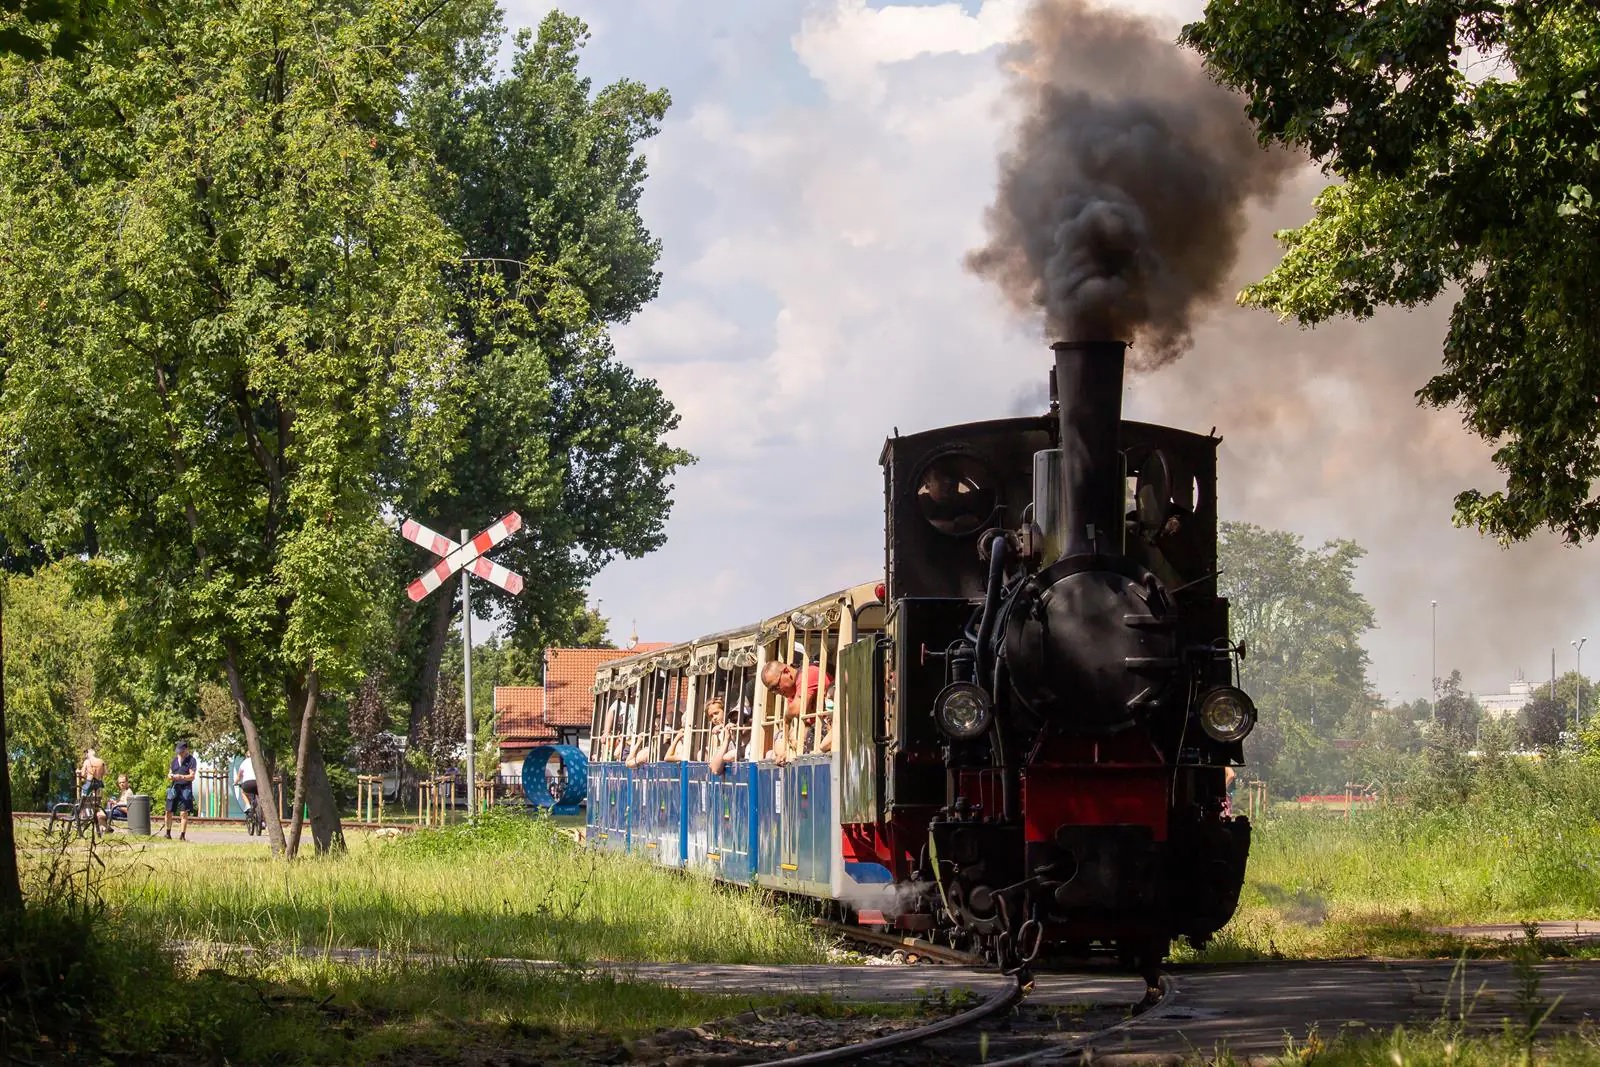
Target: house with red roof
560,710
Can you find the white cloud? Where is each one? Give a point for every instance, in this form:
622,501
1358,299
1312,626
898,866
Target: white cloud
814,299
670,330
846,45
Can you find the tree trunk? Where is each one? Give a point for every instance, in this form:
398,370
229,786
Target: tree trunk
432,655
327,833
308,719
264,766
10,885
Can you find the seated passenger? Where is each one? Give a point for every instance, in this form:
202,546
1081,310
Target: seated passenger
719,742
825,722
677,747
602,747
636,751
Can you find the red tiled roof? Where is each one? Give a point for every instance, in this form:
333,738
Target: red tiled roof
569,677
519,715
537,735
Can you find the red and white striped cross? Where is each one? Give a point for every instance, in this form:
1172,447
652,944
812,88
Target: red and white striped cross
469,555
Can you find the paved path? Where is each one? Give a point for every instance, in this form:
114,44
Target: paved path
1255,1010
1565,930
1250,1010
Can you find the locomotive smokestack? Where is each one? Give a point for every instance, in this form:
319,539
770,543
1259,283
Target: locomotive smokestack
1088,379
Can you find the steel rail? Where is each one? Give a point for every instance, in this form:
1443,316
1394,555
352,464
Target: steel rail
1081,1047
926,949
995,1004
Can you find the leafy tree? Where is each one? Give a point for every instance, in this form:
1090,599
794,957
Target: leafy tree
1447,775
1478,179
1301,620
547,178
1545,718
51,664
1541,722
1389,753
1455,711
222,327
34,29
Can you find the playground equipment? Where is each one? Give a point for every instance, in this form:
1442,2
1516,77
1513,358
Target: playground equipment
556,777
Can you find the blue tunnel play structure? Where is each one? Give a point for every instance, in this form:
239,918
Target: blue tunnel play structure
555,777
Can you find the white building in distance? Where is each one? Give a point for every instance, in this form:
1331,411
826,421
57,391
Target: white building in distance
1500,705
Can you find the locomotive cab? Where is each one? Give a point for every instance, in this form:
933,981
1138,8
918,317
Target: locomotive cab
1060,690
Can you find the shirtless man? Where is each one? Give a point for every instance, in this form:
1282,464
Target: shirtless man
93,773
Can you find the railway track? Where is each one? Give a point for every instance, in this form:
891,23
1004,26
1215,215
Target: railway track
1004,1026
908,949
1004,1031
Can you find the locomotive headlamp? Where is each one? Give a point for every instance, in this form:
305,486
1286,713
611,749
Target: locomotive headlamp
1226,714
962,711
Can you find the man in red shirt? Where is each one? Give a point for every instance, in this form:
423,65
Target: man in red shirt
799,689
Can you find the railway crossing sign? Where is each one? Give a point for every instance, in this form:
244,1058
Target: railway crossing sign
467,556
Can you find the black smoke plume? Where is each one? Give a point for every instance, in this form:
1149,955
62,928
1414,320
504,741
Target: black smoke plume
1122,200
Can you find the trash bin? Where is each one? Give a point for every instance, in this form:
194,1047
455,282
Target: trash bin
139,814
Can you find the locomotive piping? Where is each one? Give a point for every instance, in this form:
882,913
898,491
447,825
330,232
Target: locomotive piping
1088,379
991,604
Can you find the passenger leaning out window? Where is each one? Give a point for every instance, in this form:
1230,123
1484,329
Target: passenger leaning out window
719,743
677,749
799,690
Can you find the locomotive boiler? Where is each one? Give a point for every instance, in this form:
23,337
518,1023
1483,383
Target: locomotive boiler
1063,683
1017,740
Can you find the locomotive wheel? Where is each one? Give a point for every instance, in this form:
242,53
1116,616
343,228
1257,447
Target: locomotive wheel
1146,958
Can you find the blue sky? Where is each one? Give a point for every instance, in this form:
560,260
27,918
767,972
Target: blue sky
825,165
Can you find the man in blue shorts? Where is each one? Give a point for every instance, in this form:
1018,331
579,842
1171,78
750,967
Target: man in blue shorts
180,791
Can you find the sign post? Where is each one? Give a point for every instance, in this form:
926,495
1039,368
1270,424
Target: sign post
466,689
466,557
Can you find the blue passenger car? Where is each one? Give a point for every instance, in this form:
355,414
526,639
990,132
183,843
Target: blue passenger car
697,762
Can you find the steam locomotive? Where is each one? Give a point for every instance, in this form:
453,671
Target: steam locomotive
1025,749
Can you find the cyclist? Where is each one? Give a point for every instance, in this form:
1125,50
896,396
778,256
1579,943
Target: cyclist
244,780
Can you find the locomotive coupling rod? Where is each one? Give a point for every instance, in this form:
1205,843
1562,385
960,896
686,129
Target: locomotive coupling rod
996,1003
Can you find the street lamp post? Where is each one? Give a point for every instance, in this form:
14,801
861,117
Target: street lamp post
1433,668
1577,711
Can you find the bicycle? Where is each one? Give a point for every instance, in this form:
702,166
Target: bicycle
81,815
254,822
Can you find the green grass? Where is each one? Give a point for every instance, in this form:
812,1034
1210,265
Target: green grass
1439,1046
510,887
1319,886
99,989
89,970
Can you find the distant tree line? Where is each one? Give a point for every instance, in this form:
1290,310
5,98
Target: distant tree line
1322,726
